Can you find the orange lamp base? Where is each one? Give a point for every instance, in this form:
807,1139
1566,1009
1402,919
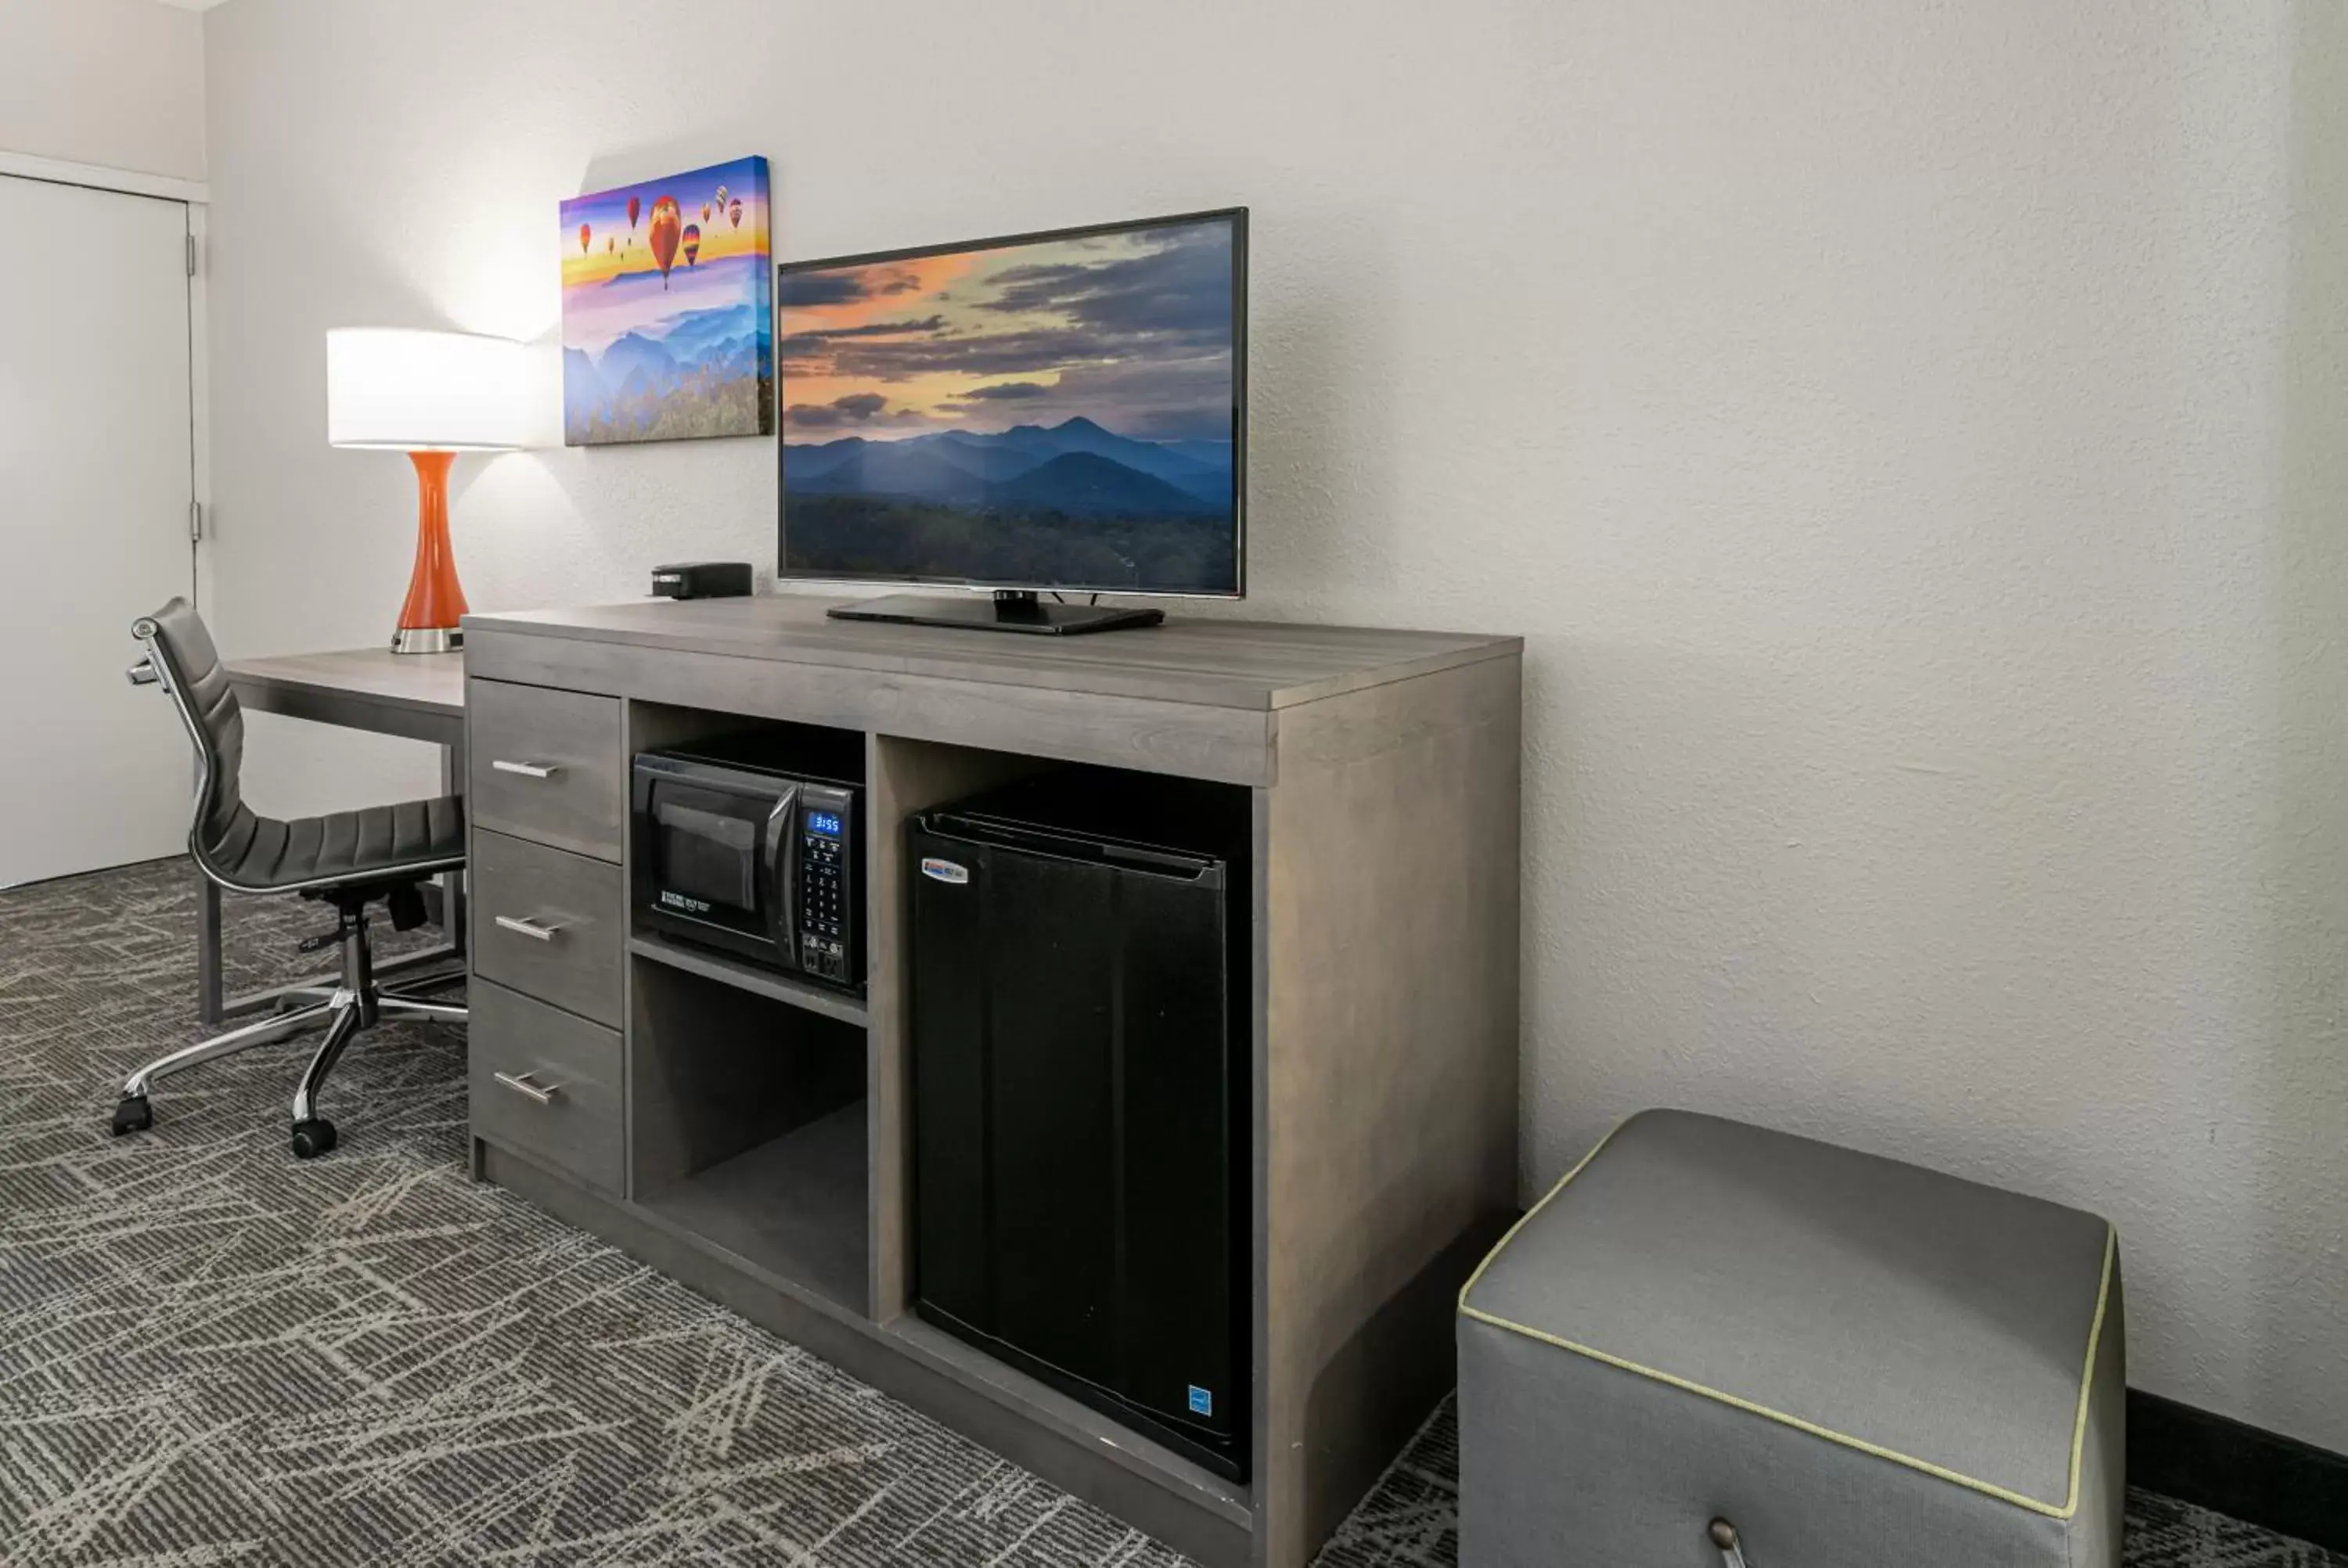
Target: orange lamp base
436,602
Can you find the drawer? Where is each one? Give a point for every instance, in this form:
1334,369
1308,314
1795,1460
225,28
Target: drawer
549,923
546,1085
546,765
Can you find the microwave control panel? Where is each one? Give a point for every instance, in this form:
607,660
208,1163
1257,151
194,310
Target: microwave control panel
827,889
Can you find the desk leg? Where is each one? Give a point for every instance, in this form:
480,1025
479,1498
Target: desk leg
210,1002
452,884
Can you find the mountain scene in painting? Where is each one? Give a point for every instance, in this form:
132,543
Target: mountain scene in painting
1057,412
667,329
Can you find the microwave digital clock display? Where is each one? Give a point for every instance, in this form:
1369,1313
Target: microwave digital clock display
823,822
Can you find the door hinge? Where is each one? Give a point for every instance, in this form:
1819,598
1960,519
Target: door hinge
195,522
191,255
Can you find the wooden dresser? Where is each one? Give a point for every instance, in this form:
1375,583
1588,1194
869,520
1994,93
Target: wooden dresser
611,1083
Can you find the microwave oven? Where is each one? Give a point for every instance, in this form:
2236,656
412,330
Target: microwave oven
737,845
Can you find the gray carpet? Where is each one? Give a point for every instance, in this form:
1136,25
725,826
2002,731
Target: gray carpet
210,1354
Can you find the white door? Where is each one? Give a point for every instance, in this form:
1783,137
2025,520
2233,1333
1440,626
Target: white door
96,483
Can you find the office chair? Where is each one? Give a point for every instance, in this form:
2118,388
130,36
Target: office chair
348,860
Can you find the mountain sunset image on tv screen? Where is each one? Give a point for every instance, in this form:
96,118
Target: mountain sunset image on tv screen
1057,411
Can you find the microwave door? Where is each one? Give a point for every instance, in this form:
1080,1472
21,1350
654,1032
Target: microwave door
705,856
782,876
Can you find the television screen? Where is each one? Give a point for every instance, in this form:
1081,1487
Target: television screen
1051,411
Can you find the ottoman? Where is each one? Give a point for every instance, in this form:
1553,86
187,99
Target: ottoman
1716,1344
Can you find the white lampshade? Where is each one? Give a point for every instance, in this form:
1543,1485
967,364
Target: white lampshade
425,392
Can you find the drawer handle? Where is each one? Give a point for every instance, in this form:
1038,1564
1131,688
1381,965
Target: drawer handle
520,1083
533,930
527,770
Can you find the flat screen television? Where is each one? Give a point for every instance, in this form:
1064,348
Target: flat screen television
1062,413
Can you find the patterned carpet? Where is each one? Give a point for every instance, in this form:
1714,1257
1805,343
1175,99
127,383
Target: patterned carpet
210,1354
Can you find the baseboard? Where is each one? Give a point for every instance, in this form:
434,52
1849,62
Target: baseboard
2261,1478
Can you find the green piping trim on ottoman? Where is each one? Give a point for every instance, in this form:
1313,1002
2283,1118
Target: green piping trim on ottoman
1987,1488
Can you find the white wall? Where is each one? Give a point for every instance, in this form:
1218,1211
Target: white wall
117,83
1910,435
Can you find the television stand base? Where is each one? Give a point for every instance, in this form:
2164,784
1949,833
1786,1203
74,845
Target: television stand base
1009,611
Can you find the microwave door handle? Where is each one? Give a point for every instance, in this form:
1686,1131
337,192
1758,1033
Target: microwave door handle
782,865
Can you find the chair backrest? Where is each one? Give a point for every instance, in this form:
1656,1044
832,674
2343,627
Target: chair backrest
188,667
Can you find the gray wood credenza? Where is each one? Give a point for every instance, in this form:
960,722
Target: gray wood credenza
1383,771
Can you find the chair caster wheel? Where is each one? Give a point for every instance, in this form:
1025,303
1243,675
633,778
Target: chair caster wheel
133,1115
313,1138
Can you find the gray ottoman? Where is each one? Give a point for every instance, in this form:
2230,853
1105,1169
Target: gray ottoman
1712,1344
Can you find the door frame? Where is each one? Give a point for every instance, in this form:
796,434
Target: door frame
98,177
196,198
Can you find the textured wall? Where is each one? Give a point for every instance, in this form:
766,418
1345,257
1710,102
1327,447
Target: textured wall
1910,436
117,83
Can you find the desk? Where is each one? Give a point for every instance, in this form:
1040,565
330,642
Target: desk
419,696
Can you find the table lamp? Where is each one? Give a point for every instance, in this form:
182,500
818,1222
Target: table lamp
430,395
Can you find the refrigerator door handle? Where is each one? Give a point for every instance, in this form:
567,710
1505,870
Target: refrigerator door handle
1063,850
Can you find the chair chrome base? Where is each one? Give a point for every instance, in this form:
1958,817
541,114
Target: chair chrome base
318,988
354,1004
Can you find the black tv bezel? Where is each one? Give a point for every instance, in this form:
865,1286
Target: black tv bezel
1238,219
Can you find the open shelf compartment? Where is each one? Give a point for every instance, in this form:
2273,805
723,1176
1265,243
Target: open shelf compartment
713,965
747,1128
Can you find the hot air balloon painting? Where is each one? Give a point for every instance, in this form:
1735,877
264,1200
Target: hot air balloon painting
668,330
666,224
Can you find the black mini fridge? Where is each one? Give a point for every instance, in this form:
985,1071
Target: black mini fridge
1080,977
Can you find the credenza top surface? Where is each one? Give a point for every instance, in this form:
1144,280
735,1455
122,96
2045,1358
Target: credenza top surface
1224,663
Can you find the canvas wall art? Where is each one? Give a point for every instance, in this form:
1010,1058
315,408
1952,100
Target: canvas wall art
668,325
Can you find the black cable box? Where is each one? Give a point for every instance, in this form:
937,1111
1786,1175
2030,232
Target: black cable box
702,579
